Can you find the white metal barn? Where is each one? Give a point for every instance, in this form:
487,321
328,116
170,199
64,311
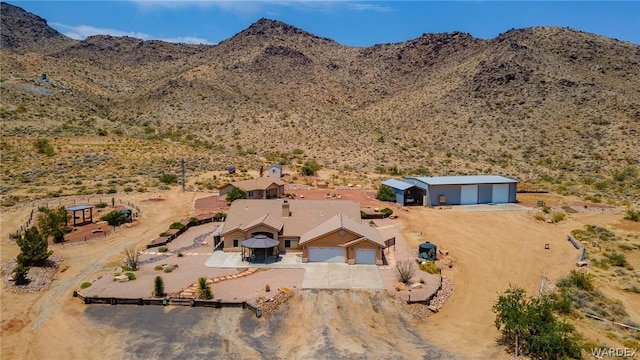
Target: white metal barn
466,190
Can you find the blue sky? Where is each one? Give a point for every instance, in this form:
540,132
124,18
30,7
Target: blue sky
353,23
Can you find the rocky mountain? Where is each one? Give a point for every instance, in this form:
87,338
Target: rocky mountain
543,104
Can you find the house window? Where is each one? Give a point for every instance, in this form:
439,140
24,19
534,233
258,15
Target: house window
290,243
250,194
237,242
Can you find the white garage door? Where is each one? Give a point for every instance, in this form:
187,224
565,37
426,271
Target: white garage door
365,256
326,254
469,194
500,194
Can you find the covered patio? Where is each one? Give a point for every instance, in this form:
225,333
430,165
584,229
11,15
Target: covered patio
82,208
260,242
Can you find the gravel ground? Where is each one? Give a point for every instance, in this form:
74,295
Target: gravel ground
40,277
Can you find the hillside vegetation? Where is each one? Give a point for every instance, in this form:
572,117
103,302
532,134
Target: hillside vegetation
552,107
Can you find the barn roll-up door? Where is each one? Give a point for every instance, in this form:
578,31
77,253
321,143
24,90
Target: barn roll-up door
500,193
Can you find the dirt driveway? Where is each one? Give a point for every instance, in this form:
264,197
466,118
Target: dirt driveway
491,251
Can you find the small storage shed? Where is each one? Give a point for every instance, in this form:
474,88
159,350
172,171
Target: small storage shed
427,251
275,171
406,193
466,190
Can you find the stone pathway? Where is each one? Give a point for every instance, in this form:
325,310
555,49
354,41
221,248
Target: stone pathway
192,290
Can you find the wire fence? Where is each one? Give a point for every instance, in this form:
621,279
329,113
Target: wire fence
50,203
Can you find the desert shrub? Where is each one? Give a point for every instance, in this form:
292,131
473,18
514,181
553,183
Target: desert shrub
386,193
633,215
557,217
130,275
219,216
42,146
85,285
131,256
180,254
540,216
101,205
204,290
176,225
114,218
267,288
168,179
429,266
168,269
405,270
617,259
112,190
386,212
577,279
363,215
163,249
193,221
158,268
158,287
52,222
310,167
165,234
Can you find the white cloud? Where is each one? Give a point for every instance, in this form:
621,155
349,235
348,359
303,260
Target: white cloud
81,32
256,6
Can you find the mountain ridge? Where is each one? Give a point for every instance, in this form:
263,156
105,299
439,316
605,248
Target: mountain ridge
535,103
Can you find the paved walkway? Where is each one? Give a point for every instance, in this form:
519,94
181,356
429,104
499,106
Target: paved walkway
192,290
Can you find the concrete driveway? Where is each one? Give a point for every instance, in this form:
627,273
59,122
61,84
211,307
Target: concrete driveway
341,276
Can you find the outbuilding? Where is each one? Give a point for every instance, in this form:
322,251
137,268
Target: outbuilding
466,190
406,193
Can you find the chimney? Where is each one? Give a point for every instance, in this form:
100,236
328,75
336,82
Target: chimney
285,209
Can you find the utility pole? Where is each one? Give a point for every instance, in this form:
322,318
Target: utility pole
183,171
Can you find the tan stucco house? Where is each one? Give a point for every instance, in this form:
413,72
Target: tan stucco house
259,188
322,230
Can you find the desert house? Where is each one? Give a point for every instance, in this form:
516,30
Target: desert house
465,190
275,171
323,230
259,188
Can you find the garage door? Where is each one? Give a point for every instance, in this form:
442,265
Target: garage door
469,194
326,254
500,194
365,256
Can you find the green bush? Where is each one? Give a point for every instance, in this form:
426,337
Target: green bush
114,218
176,225
85,285
43,147
386,193
219,216
101,205
633,215
168,269
235,194
556,217
429,266
310,168
163,249
130,275
204,290
386,212
20,275
169,179
165,234
617,259
577,279
158,268
34,248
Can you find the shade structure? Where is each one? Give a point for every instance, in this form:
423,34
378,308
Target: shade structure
260,242
427,251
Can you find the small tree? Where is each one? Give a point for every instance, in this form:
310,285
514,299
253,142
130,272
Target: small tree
310,167
405,270
53,223
33,248
114,218
158,287
131,258
633,215
204,290
20,275
235,194
385,193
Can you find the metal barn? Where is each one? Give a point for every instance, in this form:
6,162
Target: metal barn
466,190
406,193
